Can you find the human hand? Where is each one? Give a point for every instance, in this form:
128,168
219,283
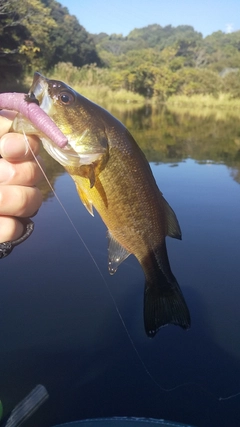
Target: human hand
19,173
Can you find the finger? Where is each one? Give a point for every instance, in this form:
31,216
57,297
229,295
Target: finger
6,119
15,148
10,229
26,173
16,200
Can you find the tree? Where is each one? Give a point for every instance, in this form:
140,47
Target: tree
24,30
69,41
199,81
222,50
231,83
37,34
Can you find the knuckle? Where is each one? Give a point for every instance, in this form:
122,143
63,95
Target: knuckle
33,173
17,200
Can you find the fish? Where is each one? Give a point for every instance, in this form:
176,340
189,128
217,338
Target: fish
113,176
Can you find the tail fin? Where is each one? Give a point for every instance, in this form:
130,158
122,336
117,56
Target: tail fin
164,304
163,300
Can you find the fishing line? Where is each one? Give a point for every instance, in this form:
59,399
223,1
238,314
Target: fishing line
171,389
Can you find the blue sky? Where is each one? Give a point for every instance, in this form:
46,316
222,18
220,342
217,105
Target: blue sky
122,16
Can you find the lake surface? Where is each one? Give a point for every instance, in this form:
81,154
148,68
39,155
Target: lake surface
58,320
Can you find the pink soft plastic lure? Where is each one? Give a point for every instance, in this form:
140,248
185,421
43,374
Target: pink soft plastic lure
30,110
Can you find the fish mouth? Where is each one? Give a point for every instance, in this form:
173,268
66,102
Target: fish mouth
45,93
40,94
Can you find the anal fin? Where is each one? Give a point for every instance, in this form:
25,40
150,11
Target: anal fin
172,222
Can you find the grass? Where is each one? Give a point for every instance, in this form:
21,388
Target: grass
222,107
223,100
102,94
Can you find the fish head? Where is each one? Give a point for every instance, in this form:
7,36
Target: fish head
60,102
74,116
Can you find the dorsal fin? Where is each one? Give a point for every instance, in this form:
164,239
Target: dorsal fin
173,227
116,254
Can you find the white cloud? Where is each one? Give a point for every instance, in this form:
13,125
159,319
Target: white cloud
229,28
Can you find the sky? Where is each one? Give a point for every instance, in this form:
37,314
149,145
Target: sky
122,16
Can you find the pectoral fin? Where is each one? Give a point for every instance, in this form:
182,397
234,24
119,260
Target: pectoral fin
87,203
116,254
88,171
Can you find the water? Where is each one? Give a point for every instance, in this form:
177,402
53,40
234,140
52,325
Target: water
59,326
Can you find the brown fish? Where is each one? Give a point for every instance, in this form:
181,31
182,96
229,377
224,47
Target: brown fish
113,176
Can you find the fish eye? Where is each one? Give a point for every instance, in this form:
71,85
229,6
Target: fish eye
66,98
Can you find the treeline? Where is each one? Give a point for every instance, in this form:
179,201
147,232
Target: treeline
154,61
161,61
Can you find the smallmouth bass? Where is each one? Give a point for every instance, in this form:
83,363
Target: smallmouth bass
112,175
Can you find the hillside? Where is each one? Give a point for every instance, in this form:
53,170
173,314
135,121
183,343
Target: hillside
154,61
